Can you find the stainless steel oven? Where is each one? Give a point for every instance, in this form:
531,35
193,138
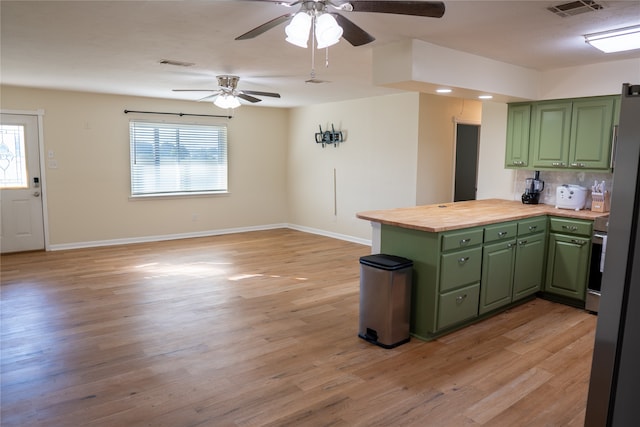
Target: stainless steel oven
598,251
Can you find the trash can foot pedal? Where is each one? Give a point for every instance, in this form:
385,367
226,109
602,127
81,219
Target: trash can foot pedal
372,337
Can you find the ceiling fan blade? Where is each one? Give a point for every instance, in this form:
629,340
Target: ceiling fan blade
351,32
208,97
265,27
255,92
431,9
194,90
247,97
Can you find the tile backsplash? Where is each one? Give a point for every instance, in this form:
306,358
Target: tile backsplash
552,179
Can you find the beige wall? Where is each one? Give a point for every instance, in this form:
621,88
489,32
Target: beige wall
375,168
88,193
436,149
494,181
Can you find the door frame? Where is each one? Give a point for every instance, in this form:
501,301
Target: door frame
43,179
457,122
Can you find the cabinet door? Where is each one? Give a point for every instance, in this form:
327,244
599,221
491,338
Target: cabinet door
497,275
457,306
567,264
518,123
529,265
460,268
550,134
591,134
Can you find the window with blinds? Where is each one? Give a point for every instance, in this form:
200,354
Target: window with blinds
177,159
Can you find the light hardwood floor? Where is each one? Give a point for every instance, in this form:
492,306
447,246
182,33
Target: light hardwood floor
260,329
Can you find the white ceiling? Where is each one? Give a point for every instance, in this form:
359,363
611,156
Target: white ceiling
116,46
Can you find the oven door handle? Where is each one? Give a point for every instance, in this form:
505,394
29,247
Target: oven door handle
599,235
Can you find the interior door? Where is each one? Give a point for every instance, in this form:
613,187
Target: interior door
22,220
466,173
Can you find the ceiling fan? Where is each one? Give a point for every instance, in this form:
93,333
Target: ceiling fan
315,9
227,93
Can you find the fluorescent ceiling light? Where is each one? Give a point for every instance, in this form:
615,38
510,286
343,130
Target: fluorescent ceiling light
485,97
615,40
443,90
227,101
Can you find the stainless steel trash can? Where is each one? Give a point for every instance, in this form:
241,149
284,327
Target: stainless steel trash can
385,299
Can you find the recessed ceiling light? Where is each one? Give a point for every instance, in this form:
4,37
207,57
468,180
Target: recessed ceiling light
443,90
485,97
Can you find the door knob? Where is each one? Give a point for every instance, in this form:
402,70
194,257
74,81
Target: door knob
36,194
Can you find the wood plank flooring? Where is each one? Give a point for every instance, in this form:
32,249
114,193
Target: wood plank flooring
260,329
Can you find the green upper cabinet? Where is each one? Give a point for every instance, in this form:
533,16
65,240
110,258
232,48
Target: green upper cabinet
518,124
550,134
591,134
562,134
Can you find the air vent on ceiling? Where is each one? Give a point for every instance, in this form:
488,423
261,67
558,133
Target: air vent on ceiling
575,8
176,63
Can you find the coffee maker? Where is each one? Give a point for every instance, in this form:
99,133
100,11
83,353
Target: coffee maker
532,189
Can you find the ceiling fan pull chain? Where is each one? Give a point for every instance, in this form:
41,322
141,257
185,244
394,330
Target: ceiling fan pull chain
313,51
326,58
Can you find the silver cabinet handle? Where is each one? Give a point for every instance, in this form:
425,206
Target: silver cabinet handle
577,165
511,245
517,163
522,242
578,242
463,260
533,227
464,242
570,227
461,298
558,164
502,233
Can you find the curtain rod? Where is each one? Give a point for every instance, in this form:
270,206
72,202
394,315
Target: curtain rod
176,114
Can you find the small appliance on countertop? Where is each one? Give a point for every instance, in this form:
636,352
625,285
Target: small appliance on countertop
532,189
569,196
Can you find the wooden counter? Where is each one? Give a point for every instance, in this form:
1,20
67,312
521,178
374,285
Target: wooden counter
453,216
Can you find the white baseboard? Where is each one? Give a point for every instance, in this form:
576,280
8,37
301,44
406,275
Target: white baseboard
330,234
158,238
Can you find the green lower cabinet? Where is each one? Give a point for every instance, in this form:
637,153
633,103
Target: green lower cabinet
529,266
458,306
497,275
460,268
567,265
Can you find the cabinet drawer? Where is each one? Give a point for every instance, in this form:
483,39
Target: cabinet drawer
457,306
460,268
571,226
533,225
502,231
461,239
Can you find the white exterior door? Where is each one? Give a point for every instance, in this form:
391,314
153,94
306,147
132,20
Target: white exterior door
21,220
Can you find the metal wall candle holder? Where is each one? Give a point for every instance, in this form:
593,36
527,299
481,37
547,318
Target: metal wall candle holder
329,137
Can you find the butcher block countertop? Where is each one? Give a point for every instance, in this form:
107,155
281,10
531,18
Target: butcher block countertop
453,216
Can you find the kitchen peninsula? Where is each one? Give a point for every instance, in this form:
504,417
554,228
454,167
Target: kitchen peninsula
474,259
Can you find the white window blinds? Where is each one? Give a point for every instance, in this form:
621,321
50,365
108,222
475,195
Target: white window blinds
172,159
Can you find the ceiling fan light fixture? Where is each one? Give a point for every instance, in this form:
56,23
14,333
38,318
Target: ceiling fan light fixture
619,40
328,32
298,29
227,101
